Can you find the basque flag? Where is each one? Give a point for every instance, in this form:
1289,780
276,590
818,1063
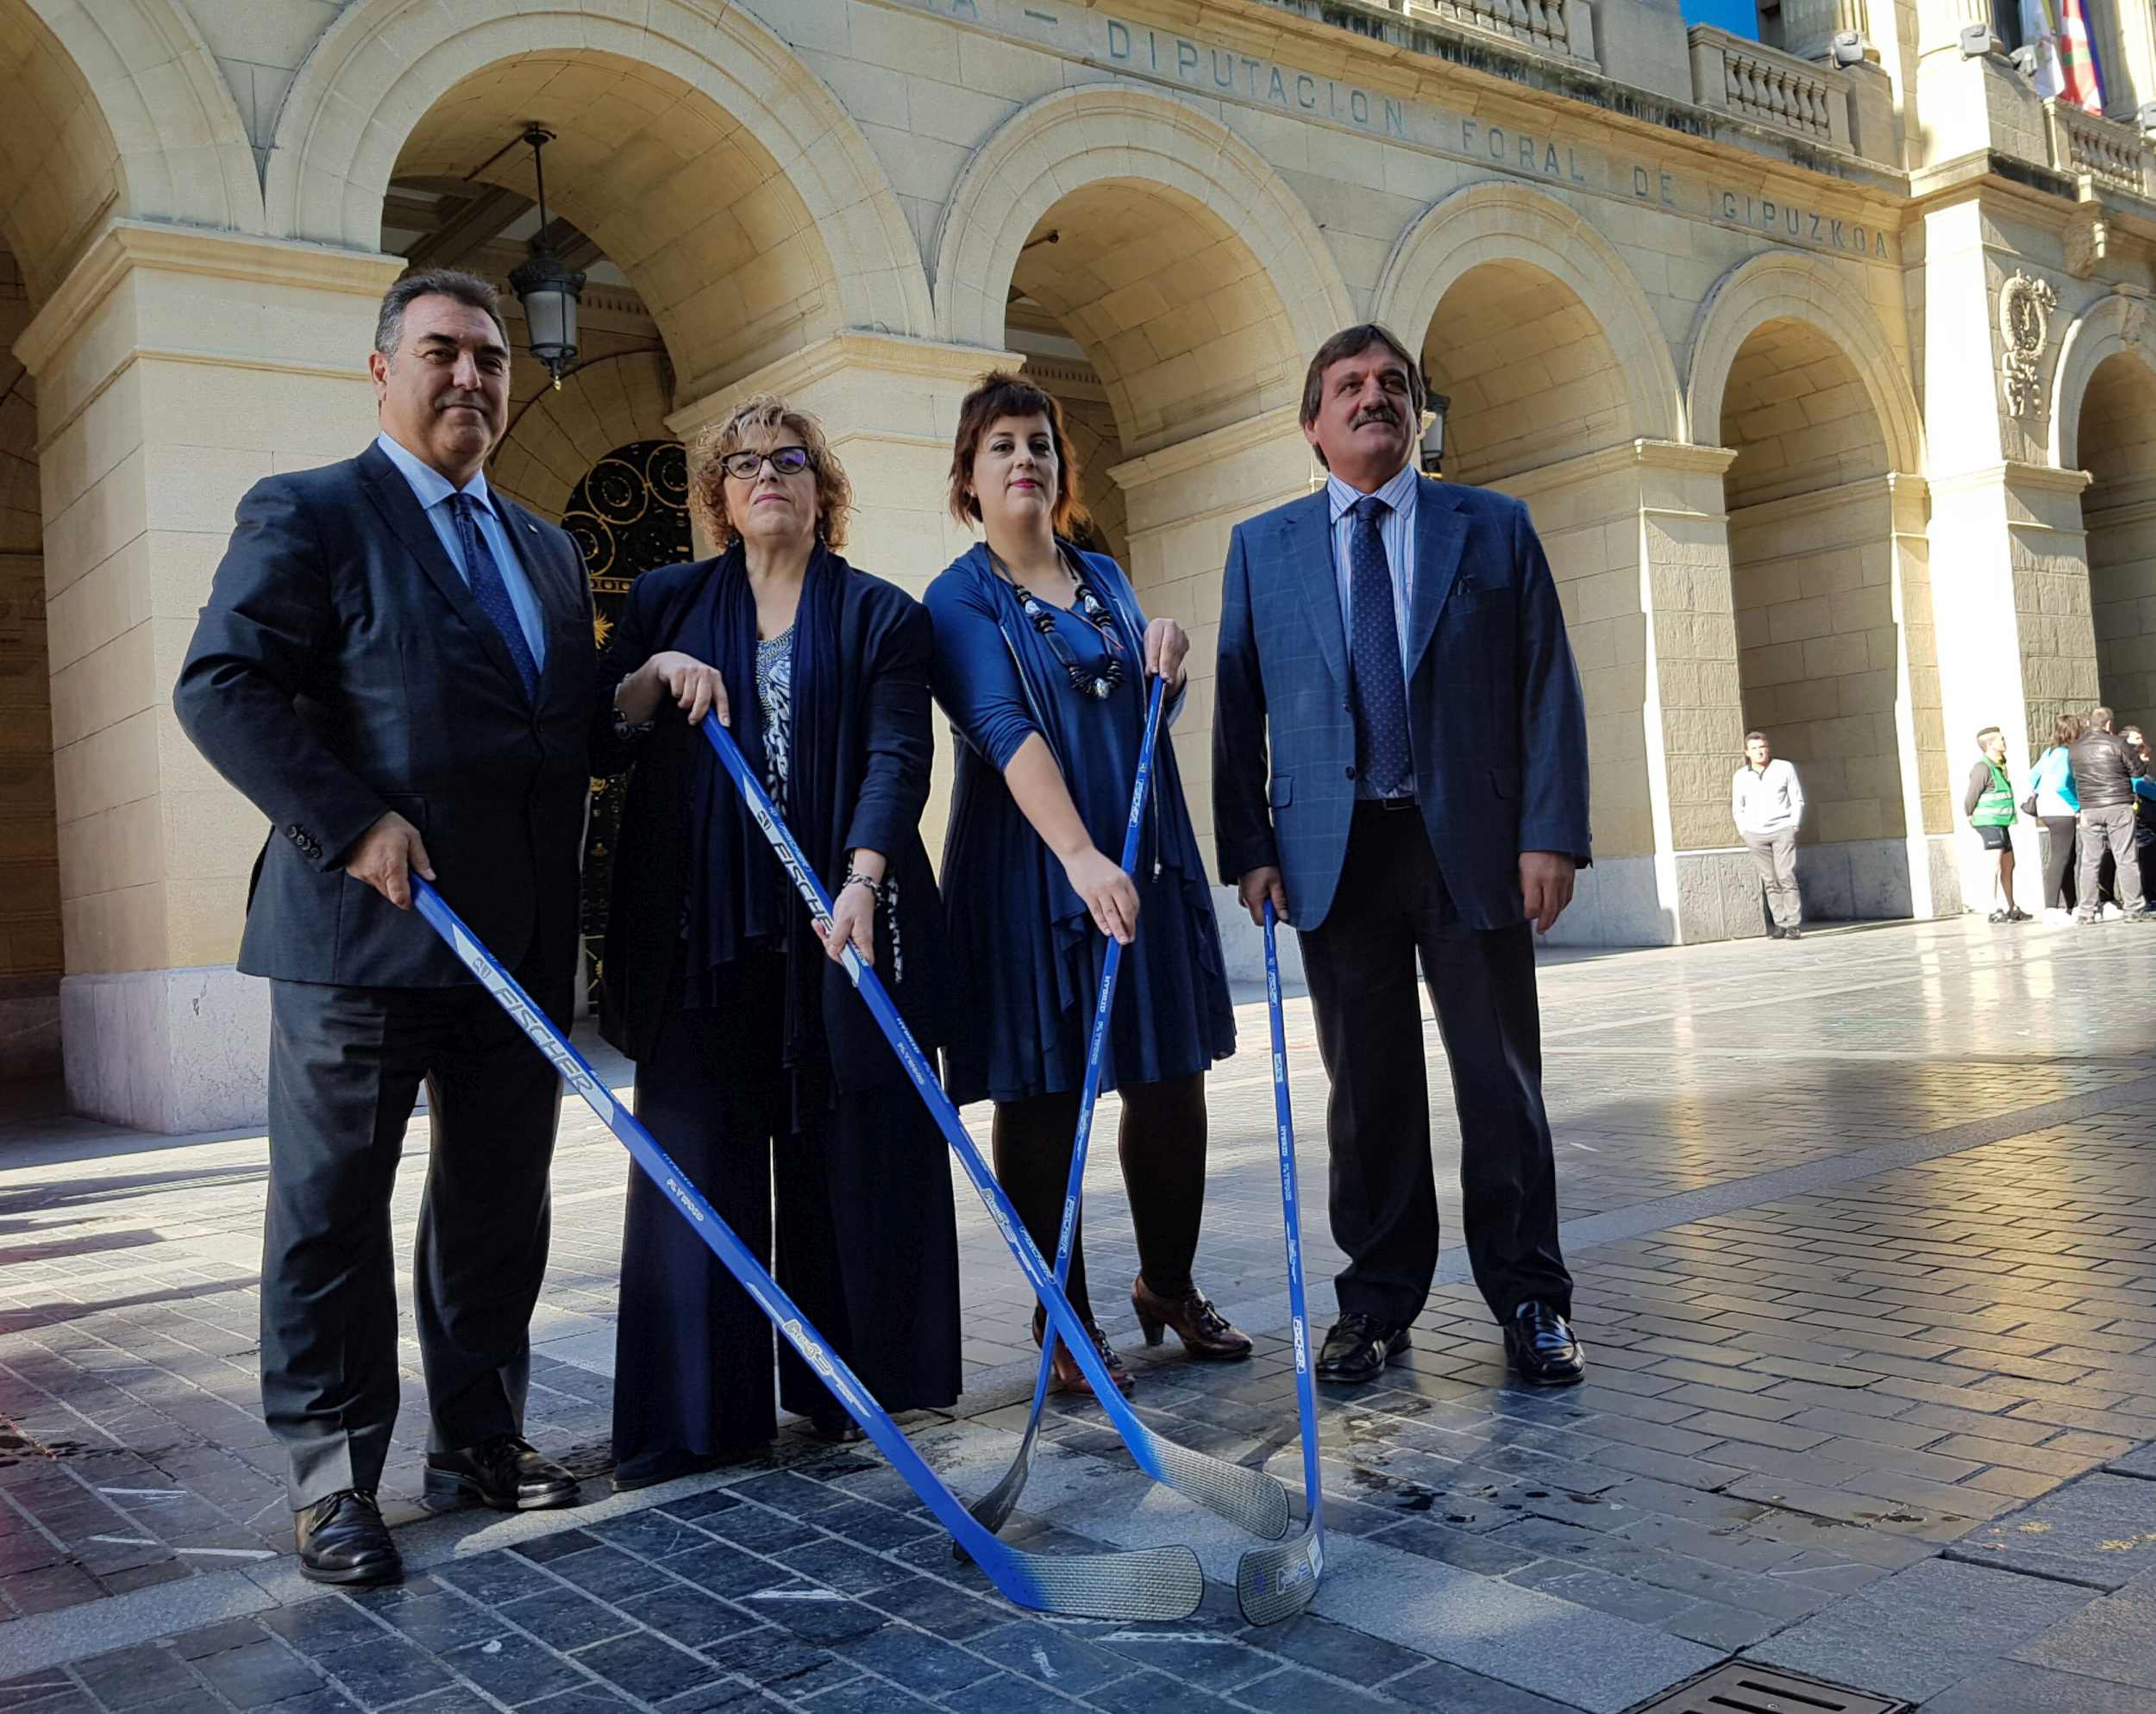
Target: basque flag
2079,67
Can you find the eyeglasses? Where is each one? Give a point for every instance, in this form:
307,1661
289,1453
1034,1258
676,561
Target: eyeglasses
786,461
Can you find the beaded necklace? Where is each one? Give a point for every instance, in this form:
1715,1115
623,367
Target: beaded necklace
1086,681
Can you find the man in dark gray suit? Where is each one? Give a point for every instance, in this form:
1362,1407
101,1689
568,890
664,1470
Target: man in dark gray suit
1399,765
395,665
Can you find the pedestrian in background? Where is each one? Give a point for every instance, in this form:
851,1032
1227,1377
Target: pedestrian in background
1768,806
2143,813
2104,771
2051,801
1989,803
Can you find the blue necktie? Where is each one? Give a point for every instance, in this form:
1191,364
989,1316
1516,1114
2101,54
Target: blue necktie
492,594
1380,689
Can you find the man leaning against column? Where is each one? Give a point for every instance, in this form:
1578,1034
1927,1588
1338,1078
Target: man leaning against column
395,665
1768,804
1399,766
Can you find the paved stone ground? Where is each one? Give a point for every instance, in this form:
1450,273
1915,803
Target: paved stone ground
1867,1263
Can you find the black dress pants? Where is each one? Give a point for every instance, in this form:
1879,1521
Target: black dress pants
1391,910
344,1074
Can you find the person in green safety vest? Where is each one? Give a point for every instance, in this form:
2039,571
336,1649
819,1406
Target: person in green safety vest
1989,803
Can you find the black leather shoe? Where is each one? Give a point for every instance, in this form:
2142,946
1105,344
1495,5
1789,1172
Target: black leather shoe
1358,1348
1539,1342
1775,931
342,1539
1792,933
504,1472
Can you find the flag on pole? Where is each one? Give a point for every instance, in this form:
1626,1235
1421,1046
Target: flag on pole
2039,34
2078,65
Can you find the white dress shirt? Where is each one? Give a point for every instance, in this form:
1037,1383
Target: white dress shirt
432,490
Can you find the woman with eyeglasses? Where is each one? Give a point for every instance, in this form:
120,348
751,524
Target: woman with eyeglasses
1043,662
758,1069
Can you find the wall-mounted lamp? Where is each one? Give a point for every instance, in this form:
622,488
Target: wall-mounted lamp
1433,432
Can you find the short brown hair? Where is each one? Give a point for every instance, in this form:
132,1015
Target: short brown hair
767,412
1353,343
2100,718
1750,736
995,396
1986,733
2065,728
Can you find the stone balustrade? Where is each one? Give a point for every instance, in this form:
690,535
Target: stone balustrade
1563,27
1769,88
2107,151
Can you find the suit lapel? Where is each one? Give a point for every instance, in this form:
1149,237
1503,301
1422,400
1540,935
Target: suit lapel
1306,548
1440,535
399,507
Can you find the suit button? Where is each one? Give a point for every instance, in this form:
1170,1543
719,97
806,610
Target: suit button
1350,772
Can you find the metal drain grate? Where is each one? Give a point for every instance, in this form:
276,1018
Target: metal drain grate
1742,1688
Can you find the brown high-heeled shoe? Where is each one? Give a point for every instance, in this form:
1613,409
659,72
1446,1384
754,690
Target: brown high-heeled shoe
1205,1332
1067,1377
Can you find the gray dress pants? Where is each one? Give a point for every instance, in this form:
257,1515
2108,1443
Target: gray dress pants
1774,854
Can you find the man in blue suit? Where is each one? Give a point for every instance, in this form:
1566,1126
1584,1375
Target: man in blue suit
1399,765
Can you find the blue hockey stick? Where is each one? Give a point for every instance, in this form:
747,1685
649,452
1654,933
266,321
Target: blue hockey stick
1250,1499
1273,1583
993,1508
1147,1583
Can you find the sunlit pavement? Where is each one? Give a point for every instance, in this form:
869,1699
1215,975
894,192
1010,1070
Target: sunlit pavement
1867,1272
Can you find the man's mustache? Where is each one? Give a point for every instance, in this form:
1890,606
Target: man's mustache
1375,413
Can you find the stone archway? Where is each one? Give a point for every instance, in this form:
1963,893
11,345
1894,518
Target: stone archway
1226,278
2103,420
709,162
1506,224
114,109
1778,287
1837,646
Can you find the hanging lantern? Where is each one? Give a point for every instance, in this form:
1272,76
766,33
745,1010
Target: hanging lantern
546,286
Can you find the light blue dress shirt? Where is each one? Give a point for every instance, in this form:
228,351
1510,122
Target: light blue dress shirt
1397,530
433,491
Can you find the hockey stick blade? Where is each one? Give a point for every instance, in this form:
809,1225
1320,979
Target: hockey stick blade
993,1508
1272,1584
1251,1499
1144,1583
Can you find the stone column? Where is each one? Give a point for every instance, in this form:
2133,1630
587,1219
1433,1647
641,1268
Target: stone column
1639,542
1966,104
2015,641
1919,715
1182,502
174,368
2016,644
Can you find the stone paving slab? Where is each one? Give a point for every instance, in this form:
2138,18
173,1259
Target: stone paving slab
1853,1294
2101,1531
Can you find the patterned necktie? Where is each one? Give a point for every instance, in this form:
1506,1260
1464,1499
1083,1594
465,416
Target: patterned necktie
491,593
1380,689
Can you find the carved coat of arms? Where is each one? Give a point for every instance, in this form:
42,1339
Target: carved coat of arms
2025,305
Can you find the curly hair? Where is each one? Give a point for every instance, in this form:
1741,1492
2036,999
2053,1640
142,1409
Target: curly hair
767,412
995,396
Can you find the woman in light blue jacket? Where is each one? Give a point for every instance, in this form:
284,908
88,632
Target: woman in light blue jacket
2051,783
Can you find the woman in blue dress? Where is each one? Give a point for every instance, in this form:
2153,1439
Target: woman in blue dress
1043,660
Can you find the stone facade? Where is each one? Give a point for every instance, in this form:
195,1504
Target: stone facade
1761,331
